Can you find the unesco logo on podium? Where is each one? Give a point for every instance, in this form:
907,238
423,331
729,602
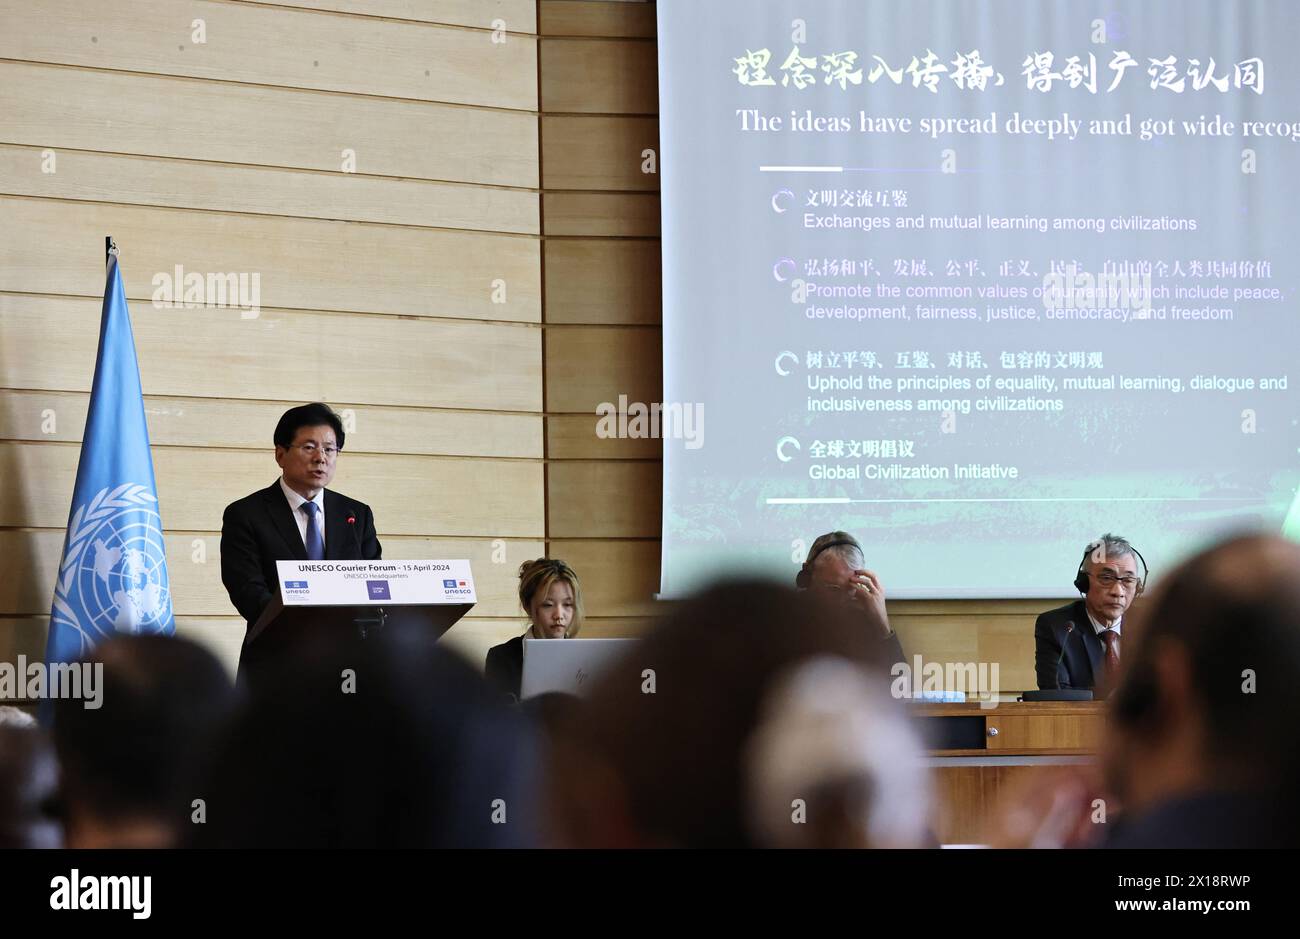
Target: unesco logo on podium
450,587
378,590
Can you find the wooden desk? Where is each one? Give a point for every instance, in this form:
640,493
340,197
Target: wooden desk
975,752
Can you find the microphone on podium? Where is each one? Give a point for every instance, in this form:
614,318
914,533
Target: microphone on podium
1069,631
352,526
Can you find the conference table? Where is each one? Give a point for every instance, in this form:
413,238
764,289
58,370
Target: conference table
976,752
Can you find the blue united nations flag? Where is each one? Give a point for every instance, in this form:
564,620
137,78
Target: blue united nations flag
113,573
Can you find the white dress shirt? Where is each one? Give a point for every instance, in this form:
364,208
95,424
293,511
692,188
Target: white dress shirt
299,516
1101,628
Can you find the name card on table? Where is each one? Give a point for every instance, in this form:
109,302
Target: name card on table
374,583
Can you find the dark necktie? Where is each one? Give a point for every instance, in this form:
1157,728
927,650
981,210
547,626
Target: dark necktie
1111,640
315,544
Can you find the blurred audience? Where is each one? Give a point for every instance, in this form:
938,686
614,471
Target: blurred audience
835,752
394,742
127,766
29,778
664,752
550,594
1202,748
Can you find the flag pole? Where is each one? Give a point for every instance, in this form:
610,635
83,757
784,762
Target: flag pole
110,248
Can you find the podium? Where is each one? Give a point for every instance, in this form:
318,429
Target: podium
975,753
346,601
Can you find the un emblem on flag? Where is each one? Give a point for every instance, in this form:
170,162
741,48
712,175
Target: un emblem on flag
113,578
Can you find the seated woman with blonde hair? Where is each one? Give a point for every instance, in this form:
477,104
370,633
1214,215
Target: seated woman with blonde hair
549,593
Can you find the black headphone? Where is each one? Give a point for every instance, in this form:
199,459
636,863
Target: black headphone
1081,576
803,579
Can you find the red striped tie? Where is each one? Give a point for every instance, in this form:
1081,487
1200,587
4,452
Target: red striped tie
1111,639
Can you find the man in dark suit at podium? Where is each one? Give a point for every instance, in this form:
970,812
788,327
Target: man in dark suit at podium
296,517
1078,645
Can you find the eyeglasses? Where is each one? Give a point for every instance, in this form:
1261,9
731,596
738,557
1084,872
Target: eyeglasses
309,450
1107,579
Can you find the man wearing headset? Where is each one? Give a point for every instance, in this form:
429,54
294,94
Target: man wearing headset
1079,645
837,565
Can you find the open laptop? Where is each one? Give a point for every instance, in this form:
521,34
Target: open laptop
568,665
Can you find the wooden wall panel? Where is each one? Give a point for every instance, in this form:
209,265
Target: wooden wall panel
301,263
68,108
603,499
250,43
585,18
219,187
282,355
600,153
230,423
620,578
520,15
594,281
608,214
599,76
589,365
573,437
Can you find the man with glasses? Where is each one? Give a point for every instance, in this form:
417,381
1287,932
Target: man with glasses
295,518
1078,645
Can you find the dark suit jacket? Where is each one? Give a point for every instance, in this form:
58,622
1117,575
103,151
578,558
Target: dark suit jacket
1085,653
505,666
260,529
893,650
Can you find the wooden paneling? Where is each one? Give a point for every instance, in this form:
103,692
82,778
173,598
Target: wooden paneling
602,281
604,627
573,437
411,495
1028,733
599,76
966,798
611,214
603,296
600,153
619,578
590,365
22,636
973,636
133,180
233,424
194,568
302,263
603,500
265,45
48,106
50,343
596,18
520,15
